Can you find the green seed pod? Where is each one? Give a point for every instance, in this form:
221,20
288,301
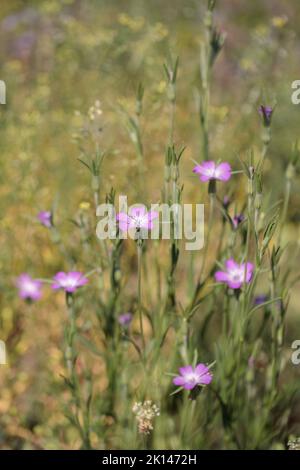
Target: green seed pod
117,275
266,135
138,108
280,335
69,354
258,201
212,186
171,93
167,172
290,172
95,183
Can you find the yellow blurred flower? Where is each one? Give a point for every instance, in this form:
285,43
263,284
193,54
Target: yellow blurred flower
247,64
161,87
159,31
279,21
261,30
51,7
84,205
135,24
220,112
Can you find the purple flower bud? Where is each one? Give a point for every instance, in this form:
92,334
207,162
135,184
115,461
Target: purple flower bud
237,220
226,202
125,319
266,113
260,299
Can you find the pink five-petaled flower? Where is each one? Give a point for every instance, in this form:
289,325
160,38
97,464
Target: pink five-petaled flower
69,282
138,218
235,274
209,170
29,288
191,376
45,217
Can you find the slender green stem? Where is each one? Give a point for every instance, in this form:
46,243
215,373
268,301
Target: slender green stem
172,122
139,254
205,253
73,378
285,206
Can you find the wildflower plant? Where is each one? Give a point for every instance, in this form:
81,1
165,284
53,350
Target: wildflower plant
133,311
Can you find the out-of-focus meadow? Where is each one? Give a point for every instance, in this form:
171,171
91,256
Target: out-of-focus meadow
59,58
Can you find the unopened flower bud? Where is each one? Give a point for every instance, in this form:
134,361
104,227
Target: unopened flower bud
290,171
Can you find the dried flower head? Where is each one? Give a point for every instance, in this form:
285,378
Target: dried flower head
95,111
92,124
145,413
294,444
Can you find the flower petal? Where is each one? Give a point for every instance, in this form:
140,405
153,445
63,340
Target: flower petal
186,370
221,276
249,270
231,265
201,369
206,378
122,217
189,385
206,169
205,178
234,284
179,380
223,171
138,211
153,215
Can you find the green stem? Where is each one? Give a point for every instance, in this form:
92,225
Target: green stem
210,222
73,378
139,254
285,206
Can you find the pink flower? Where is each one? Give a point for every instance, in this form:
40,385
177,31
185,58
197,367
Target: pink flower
45,217
138,218
190,377
234,276
210,171
69,282
29,288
